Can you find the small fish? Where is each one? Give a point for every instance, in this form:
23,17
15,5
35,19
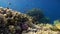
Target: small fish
9,3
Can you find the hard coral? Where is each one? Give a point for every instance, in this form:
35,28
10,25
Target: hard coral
11,19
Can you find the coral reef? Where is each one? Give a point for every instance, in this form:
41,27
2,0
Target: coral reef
14,22
11,20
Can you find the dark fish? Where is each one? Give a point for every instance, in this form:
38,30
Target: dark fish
9,3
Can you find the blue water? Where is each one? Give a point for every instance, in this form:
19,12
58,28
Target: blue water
51,7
